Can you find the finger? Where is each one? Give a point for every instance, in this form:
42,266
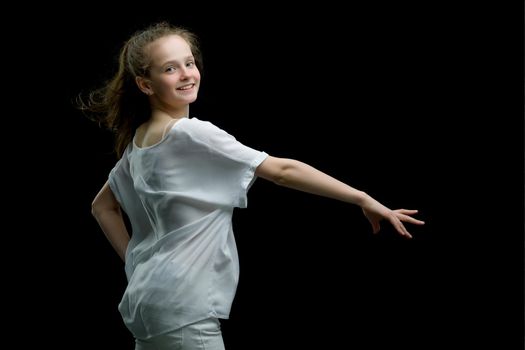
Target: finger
410,219
403,231
375,227
408,235
406,211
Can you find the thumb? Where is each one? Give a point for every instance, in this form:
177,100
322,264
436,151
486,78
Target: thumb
375,226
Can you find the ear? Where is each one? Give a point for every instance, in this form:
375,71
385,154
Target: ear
144,85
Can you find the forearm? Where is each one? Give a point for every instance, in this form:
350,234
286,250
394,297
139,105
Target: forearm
303,177
112,224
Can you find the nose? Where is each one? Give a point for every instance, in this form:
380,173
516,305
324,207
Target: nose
184,73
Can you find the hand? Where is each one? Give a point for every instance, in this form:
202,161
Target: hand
375,212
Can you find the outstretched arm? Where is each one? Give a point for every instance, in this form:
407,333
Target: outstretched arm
106,211
300,176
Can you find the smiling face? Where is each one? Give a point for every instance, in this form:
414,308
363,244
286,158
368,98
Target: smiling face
173,81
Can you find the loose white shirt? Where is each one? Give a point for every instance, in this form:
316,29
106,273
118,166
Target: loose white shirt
179,194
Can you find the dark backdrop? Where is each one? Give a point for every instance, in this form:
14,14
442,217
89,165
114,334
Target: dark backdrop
419,106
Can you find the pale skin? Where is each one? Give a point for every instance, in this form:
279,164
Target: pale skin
171,86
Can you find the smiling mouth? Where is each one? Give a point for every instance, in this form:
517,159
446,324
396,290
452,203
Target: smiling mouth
186,87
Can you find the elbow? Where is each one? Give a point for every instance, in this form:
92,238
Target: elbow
104,202
278,170
284,176
99,207
281,178
95,209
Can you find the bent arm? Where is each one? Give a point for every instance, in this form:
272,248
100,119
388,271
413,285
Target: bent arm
106,210
303,177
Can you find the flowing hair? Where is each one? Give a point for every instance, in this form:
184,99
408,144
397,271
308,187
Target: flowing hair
119,105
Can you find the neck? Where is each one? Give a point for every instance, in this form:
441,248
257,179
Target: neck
171,113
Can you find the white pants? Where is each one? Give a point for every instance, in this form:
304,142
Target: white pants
202,335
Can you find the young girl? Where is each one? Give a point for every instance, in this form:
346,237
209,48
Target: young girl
178,180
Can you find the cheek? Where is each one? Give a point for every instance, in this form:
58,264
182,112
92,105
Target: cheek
166,82
197,75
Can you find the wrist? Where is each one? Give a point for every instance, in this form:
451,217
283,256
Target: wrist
362,198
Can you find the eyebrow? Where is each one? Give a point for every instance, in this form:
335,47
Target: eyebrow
174,61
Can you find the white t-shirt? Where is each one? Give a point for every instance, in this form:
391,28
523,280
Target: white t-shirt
181,262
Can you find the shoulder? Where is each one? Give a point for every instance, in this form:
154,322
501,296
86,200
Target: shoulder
202,129
122,165
199,124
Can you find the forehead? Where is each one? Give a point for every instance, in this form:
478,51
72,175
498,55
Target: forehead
171,47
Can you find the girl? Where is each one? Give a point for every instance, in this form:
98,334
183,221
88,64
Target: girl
178,180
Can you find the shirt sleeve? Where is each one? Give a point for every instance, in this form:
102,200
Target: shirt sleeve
113,180
231,164
119,179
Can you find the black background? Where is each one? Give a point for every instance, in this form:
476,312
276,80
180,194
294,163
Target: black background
420,106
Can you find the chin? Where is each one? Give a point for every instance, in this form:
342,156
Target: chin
192,99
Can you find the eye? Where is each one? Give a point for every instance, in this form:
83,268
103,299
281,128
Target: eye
170,69
190,64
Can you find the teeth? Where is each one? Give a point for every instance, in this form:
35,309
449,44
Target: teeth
185,87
